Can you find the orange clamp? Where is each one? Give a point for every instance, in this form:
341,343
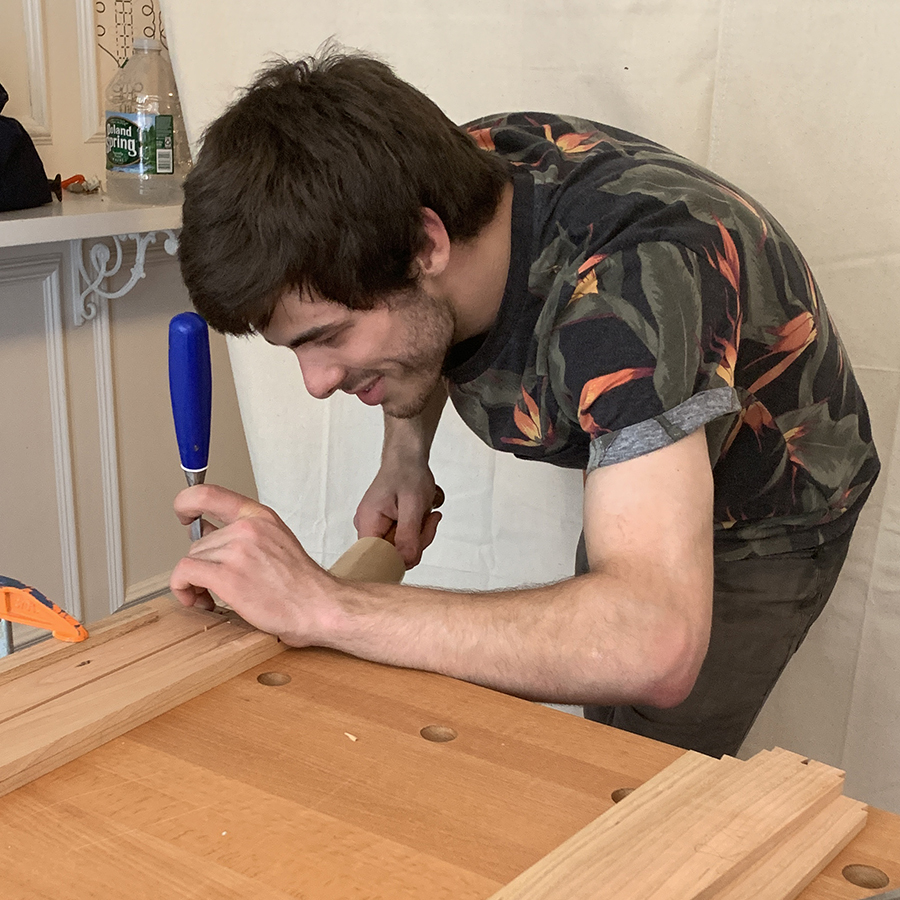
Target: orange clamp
27,605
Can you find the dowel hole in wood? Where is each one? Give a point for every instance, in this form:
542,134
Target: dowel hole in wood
438,734
620,794
865,877
273,679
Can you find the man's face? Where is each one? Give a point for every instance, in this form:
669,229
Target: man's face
389,356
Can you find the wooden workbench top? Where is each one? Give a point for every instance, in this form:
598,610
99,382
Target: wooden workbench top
324,788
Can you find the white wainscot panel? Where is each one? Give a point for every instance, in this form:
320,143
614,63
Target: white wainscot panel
38,543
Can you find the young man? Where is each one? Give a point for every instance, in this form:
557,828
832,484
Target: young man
589,299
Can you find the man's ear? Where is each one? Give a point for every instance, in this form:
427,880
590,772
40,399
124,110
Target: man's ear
434,257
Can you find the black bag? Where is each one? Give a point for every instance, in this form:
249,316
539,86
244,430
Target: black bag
23,181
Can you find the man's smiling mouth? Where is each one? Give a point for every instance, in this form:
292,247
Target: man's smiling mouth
371,392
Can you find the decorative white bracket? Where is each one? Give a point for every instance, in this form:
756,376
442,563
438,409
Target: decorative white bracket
100,254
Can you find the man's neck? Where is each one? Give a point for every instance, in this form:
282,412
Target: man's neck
475,278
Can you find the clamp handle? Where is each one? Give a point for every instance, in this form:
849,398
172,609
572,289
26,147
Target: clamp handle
27,605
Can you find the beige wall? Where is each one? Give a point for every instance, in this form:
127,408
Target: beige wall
50,66
56,74
31,544
58,528
89,465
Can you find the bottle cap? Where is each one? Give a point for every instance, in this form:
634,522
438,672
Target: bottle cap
146,44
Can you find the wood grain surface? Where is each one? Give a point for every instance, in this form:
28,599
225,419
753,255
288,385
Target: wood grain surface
104,686
323,788
30,659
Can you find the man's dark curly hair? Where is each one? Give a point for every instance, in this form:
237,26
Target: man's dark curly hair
314,179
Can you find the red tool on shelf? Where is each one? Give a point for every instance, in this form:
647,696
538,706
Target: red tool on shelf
27,605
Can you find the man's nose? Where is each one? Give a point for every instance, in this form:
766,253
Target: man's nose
321,379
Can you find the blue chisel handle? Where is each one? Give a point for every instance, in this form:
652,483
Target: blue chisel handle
190,386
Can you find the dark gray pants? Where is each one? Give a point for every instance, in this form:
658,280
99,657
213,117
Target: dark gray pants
762,610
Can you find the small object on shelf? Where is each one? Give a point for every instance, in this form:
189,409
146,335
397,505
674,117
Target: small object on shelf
78,184
23,180
147,153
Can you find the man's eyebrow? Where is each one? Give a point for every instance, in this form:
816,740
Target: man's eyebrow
311,334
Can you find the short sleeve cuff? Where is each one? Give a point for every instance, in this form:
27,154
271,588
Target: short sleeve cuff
662,430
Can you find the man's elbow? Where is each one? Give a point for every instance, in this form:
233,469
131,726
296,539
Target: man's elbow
669,691
679,655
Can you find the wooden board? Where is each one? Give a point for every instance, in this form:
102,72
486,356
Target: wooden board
62,700
255,792
789,867
29,659
700,828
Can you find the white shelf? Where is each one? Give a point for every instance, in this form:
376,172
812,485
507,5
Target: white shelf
82,216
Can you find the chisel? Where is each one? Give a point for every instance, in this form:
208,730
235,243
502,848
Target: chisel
190,386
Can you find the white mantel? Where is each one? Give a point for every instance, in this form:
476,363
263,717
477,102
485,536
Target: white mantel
83,216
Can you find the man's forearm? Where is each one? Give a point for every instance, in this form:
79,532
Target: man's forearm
598,638
414,436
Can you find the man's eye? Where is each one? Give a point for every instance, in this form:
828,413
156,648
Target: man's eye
331,338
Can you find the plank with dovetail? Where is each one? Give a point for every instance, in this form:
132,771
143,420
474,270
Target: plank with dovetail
695,830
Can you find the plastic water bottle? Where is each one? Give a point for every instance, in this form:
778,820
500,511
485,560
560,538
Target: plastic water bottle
147,152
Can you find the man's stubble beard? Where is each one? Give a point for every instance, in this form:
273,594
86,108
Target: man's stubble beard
430,324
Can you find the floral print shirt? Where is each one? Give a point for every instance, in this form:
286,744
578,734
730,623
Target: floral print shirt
646,298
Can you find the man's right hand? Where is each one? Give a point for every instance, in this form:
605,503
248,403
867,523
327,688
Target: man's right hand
403,495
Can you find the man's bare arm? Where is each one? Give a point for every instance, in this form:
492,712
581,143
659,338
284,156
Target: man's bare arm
633,630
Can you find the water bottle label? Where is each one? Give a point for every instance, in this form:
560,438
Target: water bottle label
139,143
165,146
